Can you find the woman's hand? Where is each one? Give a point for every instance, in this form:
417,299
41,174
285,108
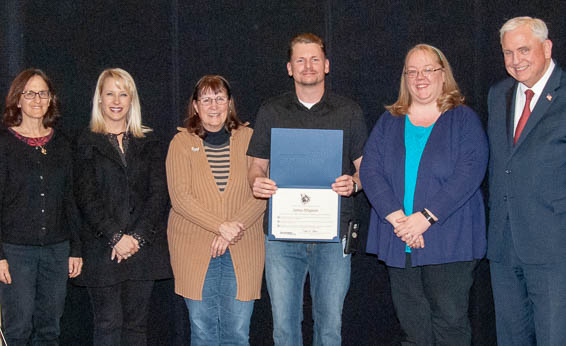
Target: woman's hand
75,266
411,227
231,231
219,246
5,272
125,248
417,243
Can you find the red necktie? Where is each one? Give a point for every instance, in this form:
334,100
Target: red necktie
524,116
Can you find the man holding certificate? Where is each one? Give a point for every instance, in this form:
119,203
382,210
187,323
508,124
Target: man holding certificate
307,148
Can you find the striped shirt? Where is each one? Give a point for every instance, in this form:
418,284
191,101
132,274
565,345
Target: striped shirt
218,157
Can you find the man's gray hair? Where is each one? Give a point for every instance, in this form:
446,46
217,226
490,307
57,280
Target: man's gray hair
537,26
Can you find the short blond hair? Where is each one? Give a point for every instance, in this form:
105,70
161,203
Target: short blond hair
451,96
537,26
305,37
124,81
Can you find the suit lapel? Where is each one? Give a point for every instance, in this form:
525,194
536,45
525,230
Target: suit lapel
510,113
543,103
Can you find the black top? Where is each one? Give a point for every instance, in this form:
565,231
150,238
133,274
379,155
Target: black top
117,198
221,137
37,206
333,112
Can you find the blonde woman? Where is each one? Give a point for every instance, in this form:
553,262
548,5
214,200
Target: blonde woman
422,169
121,191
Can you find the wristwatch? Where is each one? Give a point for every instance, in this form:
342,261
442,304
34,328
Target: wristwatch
428,217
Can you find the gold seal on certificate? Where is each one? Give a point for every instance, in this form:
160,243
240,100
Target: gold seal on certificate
304,214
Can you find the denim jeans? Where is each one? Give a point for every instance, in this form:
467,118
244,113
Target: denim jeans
219,318
33,304
286,268
120,313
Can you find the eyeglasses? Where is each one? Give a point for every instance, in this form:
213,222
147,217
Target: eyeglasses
30,95
412,74
220,100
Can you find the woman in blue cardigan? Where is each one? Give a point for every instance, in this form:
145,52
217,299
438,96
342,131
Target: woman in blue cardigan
422,169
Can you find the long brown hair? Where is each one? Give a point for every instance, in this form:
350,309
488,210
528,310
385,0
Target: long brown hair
217,84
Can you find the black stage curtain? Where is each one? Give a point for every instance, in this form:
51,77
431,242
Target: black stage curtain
168,45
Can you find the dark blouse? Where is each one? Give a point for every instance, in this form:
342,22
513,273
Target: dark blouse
36,200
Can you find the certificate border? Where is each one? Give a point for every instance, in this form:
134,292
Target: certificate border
336,239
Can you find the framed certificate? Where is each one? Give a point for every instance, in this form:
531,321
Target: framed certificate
304,163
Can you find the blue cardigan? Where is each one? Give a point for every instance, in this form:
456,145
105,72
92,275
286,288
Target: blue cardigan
450,173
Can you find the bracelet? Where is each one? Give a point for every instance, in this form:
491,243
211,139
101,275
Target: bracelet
428,217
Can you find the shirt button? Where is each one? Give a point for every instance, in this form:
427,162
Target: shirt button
508,171
43,210
41,177
43,228
42,194
505,198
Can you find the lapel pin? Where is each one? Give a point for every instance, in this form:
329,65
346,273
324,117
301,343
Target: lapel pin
195,149
549,97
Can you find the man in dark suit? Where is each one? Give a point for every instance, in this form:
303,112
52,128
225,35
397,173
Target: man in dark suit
527,179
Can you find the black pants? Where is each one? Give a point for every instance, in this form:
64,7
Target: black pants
431,302
120,313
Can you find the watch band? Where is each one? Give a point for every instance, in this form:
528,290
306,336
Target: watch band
428,217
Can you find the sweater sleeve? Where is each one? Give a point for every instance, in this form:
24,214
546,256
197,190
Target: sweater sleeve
372,173
178,167
252,209
469,168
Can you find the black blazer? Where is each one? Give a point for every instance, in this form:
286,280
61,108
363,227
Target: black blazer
527,182
116,198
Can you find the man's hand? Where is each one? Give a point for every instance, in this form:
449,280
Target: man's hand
263,187
344,185
5,272
75,266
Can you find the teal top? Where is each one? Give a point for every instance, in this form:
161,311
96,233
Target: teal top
415,141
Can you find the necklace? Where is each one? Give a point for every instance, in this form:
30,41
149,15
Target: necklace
43,150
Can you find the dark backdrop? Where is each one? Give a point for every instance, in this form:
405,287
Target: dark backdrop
168,45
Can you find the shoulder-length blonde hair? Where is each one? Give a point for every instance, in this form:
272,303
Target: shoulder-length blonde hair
451,96
124,81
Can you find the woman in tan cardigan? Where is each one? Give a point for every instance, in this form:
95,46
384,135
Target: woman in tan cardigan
215,224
